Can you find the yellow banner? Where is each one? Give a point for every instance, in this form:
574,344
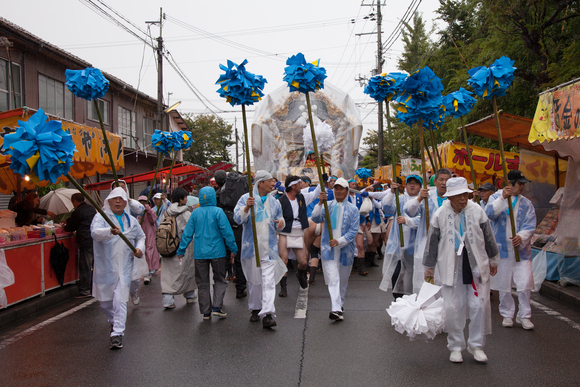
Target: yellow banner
557,115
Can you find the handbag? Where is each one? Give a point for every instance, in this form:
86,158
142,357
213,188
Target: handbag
366,207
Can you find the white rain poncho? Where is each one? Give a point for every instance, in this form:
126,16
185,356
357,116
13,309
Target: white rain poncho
413,208
481,250
508,268
267,214
113,259
395,253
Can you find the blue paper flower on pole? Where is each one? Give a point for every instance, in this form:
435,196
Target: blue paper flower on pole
302,76
458,103
40,149
164,142
384,87
492,81
363,173
238,86
89,83
421,98
181,140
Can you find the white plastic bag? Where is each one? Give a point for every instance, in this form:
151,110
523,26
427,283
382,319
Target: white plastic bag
539,269
366,207
6,278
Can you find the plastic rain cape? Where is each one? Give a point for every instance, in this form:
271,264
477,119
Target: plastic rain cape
421,316
278,143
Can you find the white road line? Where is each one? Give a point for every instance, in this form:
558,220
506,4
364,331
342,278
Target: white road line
555,314
5,343
301,303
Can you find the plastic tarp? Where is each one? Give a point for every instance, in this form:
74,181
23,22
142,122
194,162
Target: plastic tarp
278,127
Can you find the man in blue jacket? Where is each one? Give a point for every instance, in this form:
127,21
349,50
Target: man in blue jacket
211,227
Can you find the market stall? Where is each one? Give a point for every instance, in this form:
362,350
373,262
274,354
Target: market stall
27,249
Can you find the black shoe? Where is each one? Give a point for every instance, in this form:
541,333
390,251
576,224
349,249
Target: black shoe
116,342
268,322
283,288
336,316
254,316
241,294
301,275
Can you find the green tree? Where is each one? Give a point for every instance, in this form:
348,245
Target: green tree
211,138
416,45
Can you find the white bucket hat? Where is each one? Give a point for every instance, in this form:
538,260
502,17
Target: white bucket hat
342,182
456,186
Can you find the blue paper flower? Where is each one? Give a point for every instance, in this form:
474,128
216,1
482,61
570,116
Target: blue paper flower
238,86
88,83
40,148
421,98
165,142
492,81
363,173
302,76
385,86
181,140
458,103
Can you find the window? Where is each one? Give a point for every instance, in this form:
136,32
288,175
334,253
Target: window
148,130
55,98
128,127
10,97
103,108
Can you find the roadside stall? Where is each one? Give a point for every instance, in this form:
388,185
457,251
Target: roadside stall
27,250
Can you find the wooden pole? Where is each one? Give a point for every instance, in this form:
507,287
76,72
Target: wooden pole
106,142
435,150
505,176
159,161
423,170
470,159
249,173
394,166
316,157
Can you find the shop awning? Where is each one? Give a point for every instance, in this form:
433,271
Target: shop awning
181,169
89,159
514,131
556,124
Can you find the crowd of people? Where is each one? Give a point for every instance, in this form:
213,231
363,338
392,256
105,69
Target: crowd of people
467,247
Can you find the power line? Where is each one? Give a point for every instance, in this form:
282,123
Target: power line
400,31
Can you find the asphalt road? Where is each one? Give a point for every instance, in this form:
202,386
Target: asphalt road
69,346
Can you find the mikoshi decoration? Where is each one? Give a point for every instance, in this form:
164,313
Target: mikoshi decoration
305,78
241,87
381,88
363,173
489,83
420,103
44,151
90,84
458,104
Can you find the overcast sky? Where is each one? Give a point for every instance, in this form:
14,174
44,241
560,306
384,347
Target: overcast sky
202,34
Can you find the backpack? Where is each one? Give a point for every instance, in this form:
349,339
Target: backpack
166,237
236,185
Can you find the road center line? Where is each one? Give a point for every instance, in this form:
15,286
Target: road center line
552,312
5,343
301,303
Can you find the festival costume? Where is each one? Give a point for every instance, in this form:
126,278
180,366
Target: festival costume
509,270
470,233
113,262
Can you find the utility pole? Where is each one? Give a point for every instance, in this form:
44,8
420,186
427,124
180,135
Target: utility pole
160,117
377,71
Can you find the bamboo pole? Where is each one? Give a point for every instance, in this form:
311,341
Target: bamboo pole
394,165
435,150
433,165
470,159
505,174
159,161
423,170
316,157
106,142
252,214
99,210
167,180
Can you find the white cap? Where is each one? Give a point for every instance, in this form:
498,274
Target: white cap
342,182
262,175
456,186
157,195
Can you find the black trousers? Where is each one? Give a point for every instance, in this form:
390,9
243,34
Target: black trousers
85,283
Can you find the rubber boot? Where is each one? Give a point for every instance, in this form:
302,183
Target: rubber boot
355,264
302,278
361,267
380,253
371,260
283,289
312,279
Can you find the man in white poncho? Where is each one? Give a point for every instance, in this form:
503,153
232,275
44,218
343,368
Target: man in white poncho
261,280
113,261
462,244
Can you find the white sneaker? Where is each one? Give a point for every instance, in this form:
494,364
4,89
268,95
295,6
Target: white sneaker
478,354
192,299
507,322
456,357
526,323
135,299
